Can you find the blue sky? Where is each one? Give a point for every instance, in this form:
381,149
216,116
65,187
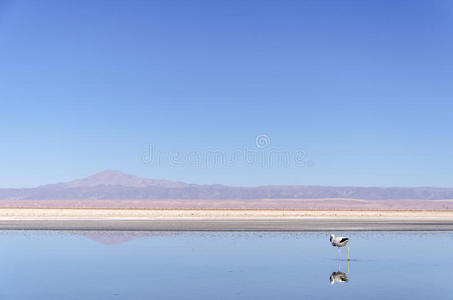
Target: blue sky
362,88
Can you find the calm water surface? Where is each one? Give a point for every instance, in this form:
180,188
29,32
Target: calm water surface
140,265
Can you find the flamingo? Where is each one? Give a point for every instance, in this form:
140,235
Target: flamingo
339,242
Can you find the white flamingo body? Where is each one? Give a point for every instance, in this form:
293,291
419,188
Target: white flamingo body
339,241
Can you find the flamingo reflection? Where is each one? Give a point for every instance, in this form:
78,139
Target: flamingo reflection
339,276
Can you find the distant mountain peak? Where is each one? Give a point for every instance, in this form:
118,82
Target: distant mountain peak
110,173
118,178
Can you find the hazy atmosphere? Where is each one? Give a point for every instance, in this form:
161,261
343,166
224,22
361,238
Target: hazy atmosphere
337,92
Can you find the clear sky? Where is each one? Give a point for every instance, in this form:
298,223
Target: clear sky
363,88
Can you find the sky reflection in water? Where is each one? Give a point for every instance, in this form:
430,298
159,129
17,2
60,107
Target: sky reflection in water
145,265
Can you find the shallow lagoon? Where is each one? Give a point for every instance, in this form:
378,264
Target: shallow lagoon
223,265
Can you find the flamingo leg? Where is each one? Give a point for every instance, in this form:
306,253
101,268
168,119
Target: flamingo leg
348,253
339,255
348,267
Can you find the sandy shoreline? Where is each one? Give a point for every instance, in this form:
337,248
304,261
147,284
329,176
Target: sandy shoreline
102,213
223,219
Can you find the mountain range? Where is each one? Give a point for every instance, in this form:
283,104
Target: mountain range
115,185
